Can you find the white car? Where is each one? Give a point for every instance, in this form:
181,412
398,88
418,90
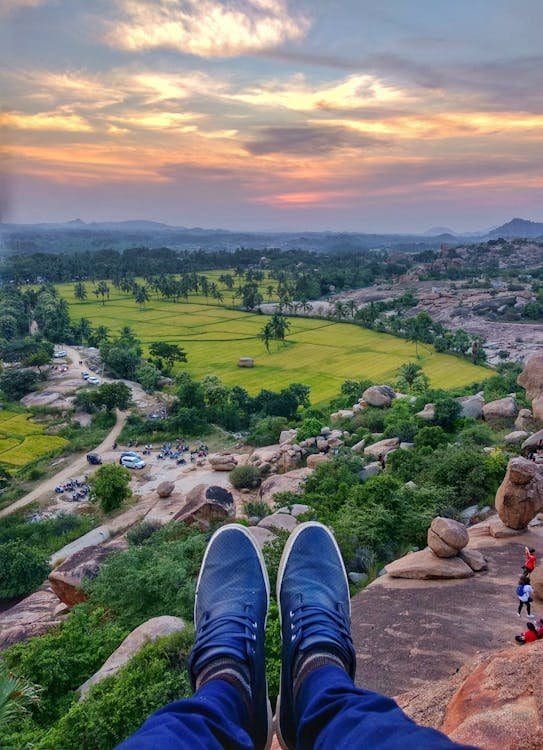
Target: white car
60,353
85,375
132,462
93,380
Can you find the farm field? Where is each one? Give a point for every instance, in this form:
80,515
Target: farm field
319,353
23,441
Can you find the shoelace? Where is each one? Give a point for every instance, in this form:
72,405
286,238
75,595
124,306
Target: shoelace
220,631
328,625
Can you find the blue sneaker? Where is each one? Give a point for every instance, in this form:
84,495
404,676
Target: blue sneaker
315,612
230,611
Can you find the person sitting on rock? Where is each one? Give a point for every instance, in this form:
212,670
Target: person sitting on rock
524,593
529,635
319,705
530,560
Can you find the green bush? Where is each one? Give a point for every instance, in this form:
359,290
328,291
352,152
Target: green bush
476,434
22,569
446,412
63,659
245,476
256,509
110,486
117,706
309,428
151,579
431,437
141,532
266,431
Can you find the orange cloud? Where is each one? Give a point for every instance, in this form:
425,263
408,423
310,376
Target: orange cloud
54,121
300,199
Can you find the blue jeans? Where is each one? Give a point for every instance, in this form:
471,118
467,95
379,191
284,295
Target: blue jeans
333,714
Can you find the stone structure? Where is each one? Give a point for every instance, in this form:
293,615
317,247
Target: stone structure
447,537
378,395
504,409
165,489
205,505
223,461
520,495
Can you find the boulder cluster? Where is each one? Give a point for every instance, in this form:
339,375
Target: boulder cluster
445,557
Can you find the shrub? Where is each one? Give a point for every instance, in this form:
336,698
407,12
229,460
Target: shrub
431,437
446,410
117,706
244,476
266,431
476,434
256,509
63,659
141,532
373,419
152,578
110,486
22,569
309,428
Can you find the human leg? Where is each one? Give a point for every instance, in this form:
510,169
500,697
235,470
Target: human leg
319,705
230,708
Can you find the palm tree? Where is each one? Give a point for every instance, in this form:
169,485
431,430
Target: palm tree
80,292
141,295
17,696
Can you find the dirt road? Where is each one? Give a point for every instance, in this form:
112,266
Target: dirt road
76,467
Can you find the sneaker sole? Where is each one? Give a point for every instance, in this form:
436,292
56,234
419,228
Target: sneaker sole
282,565
245,531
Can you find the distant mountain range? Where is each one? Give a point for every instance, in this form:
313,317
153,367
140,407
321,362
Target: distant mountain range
119,235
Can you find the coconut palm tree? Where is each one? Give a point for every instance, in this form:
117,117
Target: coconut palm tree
17,696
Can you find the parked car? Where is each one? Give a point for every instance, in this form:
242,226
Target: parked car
131,462
85,375
60,353
129,454
94,459
93,380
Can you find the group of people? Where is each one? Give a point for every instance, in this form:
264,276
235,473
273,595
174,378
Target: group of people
525,598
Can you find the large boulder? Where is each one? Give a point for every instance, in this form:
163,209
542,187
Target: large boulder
287,436
520,495
500,704
206,505
428,414
379,395
536,579
293,482
223,461
471,406
33,616
381,448
68,578
147,632
516,437
93,538
531,377
474,559
534,440
503,409
447,537
165,489
315,459
278,522
424,565
537,408
524,420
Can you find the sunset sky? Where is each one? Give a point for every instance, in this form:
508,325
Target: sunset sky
273,114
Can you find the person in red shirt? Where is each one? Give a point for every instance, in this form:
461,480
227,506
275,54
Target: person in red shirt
529,635
530,560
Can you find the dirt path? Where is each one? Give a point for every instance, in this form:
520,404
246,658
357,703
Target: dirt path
76,467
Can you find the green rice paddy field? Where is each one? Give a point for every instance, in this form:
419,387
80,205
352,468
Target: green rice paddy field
23,441
319,353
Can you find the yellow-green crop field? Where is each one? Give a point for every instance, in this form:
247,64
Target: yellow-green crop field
23,441
319,353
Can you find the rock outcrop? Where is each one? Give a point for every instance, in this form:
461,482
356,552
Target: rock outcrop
500,704
147,632
292,481
382,448
34,615
520,495
447,537
524,420
67,580
426,565
531,377
379,395
205,505
516,437
315,459
503,409
471,406
536,580
223,461
428,414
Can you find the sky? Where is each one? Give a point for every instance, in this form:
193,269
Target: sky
349,115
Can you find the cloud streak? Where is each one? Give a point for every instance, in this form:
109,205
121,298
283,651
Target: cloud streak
206,28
